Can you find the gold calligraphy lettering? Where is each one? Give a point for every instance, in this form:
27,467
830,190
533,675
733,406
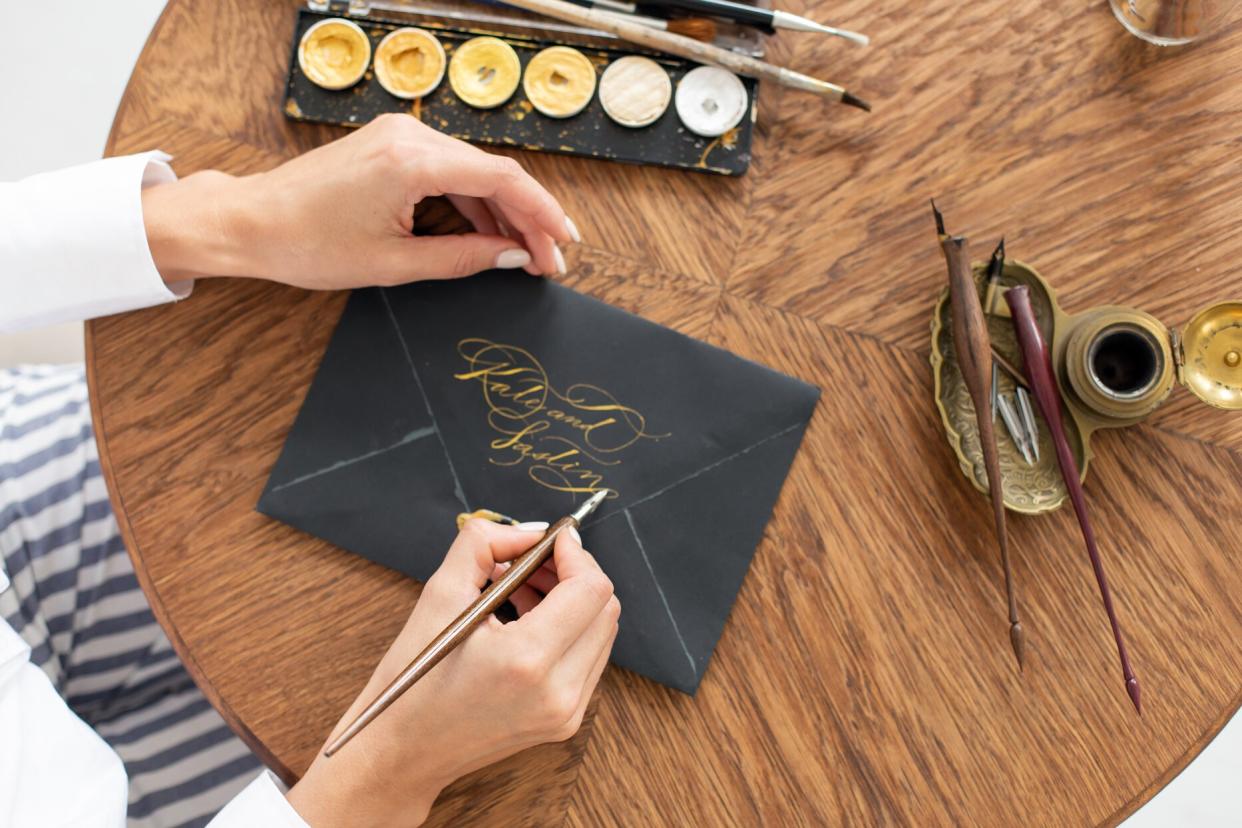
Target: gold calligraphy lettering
565,439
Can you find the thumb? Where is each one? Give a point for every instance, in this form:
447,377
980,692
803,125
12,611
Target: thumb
447,257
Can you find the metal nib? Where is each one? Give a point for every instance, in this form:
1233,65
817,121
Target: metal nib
583,512
995,388
1028,420
1014,426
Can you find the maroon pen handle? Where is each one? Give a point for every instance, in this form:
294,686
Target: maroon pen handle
1043,384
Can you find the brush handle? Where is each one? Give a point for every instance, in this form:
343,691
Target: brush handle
678,45
1043,384
737,12
650,22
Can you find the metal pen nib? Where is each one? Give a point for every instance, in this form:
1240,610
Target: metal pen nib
995,388
797,23
1014,427
584,511
1028,419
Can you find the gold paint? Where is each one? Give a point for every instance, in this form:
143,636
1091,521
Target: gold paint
334,53
484,72
1232,359
559,81
566,439
485,514
707,150
410,63
292,109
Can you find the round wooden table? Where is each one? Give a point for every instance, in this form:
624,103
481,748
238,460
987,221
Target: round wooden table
864,676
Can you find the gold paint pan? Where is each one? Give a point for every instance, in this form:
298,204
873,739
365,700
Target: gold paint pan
559,81
334,53
410,63
484,72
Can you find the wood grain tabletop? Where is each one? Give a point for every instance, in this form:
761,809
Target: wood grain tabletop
864,676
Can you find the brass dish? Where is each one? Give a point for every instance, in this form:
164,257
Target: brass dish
1033,489
1114,367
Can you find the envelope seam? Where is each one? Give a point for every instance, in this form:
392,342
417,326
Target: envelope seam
412,437
409,359
694,670
701,471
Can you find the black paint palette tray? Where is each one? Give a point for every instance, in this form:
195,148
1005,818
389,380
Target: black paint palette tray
591,133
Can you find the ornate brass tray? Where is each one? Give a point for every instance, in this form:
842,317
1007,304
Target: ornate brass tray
1114,366
1028,489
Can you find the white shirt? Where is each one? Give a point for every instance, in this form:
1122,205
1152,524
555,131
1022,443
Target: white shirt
73,246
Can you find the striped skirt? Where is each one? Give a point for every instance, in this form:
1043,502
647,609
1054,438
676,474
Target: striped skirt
74,598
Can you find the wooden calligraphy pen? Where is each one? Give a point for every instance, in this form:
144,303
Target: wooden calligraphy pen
1047,398
457,632
973,347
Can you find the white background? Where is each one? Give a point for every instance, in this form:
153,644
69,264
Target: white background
57,112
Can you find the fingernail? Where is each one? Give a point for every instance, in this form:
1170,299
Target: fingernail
576,536
573,229
512,258
533,526
560,261
503,566
504,231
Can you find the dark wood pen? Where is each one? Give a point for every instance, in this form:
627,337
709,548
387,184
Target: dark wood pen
1043,381
488,602
973,348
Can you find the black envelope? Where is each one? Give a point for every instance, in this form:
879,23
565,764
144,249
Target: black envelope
522,396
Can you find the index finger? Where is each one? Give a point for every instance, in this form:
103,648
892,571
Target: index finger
580,595
479,546
461,169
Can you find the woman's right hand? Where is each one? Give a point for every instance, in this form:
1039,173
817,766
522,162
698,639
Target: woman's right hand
506,688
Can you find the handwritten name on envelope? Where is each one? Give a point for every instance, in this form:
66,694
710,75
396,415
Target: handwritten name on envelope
567,438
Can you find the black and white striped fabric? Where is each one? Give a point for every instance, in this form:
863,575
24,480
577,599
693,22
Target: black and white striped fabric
75,600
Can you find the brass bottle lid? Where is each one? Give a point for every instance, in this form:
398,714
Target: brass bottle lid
1210,355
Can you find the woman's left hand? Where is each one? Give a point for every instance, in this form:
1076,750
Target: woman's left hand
342,215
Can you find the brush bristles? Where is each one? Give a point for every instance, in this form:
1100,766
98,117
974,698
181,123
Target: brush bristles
695,28
852,100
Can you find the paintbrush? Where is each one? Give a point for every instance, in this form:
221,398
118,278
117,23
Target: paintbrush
685,47
973,347
996,265
1008,367
1048,399
695,28
768,20
488,602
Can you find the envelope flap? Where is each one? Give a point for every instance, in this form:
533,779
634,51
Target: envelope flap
684,554
371,404
523,396
545,395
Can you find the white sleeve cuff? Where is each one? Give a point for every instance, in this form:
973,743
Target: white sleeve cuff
73,244
261,803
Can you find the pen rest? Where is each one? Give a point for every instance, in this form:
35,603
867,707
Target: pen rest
1114,367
